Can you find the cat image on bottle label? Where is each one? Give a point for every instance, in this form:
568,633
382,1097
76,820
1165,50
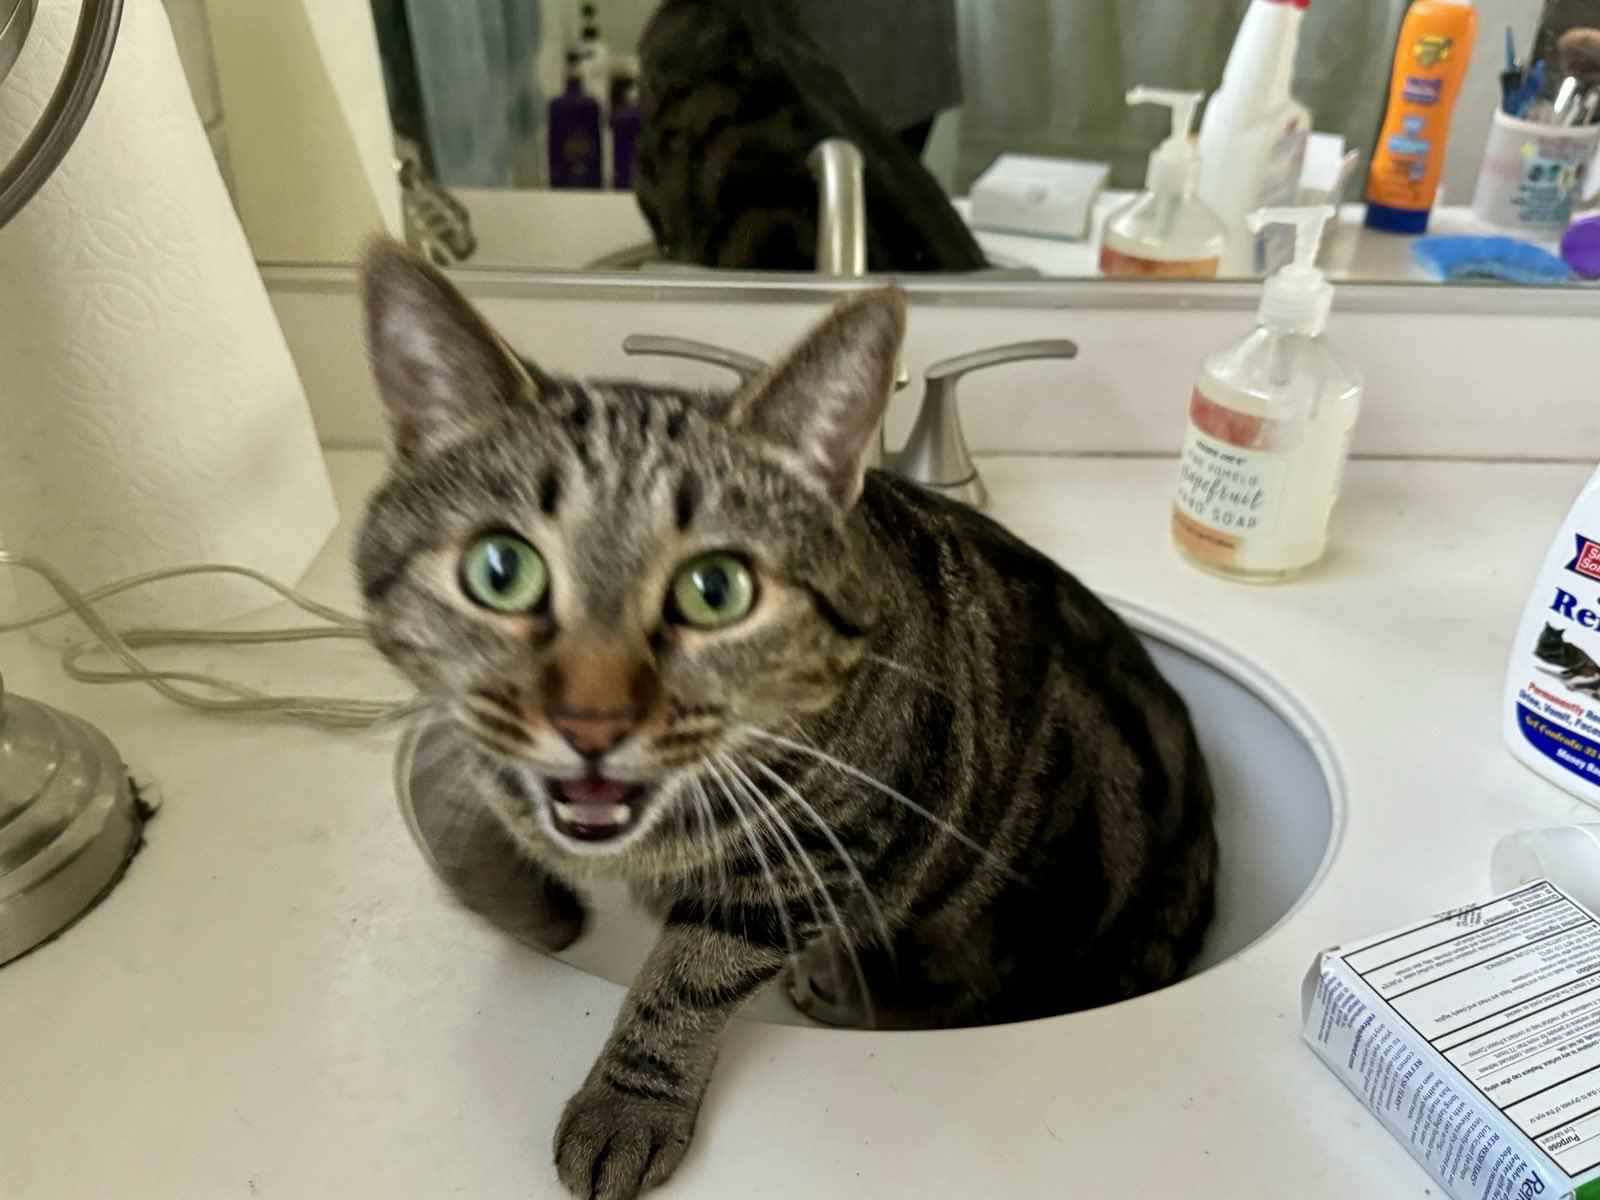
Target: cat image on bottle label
1557,701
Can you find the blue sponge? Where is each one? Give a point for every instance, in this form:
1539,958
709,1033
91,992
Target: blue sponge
1508,259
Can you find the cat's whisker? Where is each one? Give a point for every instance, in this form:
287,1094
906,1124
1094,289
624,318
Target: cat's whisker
429,757
877,786
694,805
686,818
927,681
780,823
838,848
492,740
761,810
718,857
761,857
425,758
479,718
708,824
469,721
457,803
713,835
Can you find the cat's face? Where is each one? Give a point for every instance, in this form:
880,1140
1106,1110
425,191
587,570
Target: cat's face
1551,641
602,583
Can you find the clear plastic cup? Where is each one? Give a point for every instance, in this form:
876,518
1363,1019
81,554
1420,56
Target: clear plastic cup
1567,855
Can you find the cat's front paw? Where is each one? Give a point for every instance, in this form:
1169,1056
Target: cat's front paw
611,1146
823,984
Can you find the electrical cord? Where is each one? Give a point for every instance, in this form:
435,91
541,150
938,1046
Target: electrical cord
221,696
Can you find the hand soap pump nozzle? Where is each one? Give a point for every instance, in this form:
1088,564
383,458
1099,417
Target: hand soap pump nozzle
1165,231
1175,163
1298,297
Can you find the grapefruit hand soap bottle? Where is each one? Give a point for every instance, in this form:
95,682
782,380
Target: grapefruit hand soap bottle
1269,427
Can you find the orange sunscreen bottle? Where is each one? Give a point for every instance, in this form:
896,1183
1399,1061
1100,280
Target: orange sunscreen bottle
1429,64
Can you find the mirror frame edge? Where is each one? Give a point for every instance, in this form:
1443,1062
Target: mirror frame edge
1457,299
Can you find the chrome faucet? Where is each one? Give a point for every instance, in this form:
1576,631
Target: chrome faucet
841,208
842,229
935,453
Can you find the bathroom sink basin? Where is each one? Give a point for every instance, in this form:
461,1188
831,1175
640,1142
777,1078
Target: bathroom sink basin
1278,788
643,256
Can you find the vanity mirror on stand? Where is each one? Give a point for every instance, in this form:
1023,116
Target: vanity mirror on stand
69,819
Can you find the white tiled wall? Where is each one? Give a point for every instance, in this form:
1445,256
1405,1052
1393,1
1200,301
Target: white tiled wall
193,35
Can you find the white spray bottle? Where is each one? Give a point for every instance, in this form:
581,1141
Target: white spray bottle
1269,427
1550,716
1254,132
1166,231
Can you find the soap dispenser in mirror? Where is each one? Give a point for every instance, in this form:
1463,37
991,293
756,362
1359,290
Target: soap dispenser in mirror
1166,231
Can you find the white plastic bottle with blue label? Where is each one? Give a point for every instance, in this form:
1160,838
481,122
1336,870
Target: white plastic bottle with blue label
1551,715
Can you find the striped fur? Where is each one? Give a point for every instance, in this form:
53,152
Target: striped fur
930,761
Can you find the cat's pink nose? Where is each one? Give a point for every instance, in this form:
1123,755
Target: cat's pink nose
592,733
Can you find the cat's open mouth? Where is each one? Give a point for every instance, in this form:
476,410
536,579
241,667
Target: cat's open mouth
595,809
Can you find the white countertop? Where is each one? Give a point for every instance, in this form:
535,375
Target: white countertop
278,1002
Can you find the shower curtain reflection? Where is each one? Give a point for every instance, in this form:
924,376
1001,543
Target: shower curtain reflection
1048,76
463,84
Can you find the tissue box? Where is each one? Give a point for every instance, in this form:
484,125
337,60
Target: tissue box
1041,197
1474,1037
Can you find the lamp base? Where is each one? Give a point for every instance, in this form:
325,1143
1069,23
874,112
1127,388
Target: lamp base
70,821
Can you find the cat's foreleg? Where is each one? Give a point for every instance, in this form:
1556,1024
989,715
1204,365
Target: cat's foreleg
630,1123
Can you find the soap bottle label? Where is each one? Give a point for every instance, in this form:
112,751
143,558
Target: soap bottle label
1229,490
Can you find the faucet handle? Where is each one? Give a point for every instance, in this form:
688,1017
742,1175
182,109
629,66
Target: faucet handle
743,365
952,369
935,454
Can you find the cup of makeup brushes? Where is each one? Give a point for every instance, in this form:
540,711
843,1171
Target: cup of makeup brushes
1533,174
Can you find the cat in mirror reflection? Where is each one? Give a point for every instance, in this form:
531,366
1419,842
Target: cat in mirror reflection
830,727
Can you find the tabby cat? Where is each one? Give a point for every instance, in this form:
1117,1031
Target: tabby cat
1554,649
733,98
817,717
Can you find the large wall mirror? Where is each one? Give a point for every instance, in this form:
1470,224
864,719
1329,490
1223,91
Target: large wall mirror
986,139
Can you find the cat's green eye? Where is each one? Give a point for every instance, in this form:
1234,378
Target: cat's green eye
502,572
712,591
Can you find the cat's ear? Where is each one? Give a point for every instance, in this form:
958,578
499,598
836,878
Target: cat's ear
825,400
442,373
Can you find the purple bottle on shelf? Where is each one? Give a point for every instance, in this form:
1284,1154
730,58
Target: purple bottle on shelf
574,134
1580,247
625,121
